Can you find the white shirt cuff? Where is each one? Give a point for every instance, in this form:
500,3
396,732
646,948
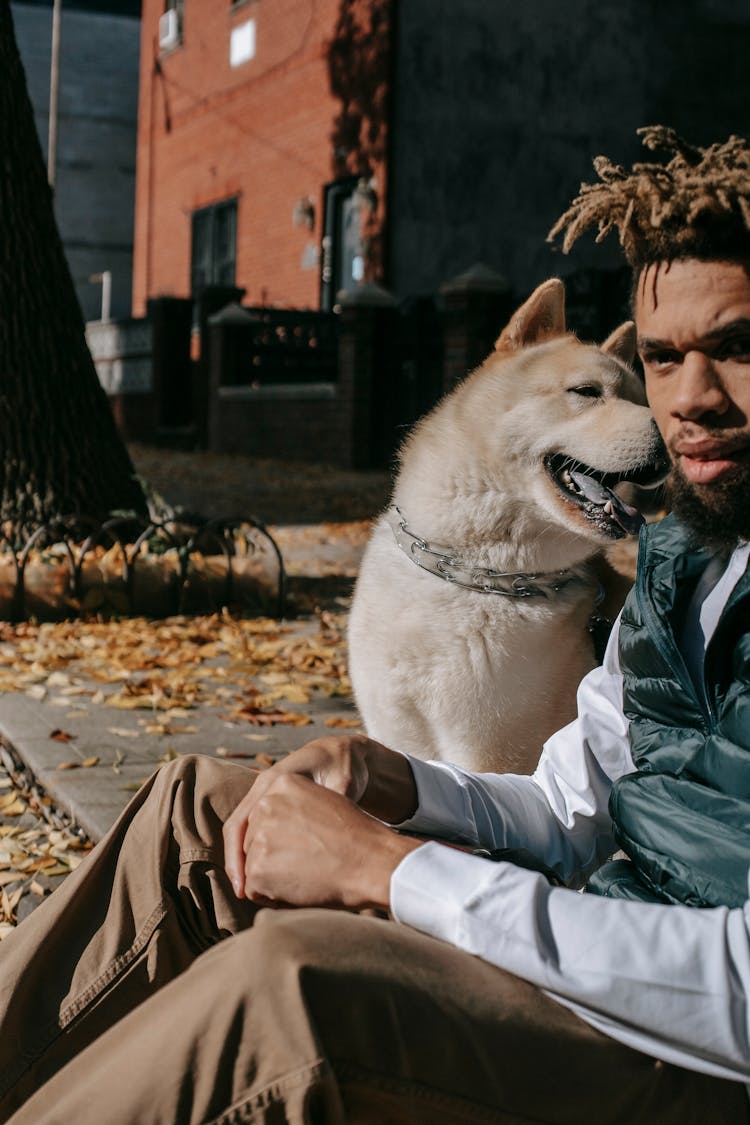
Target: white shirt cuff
432,884
441,801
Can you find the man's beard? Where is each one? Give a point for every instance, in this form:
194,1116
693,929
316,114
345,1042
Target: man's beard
718,514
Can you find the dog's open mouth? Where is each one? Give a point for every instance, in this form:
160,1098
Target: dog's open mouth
592,492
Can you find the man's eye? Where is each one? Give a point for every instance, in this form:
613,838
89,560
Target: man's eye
738,349
586,391
661,358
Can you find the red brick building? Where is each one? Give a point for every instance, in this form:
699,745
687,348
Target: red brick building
467,125
261,145
292,148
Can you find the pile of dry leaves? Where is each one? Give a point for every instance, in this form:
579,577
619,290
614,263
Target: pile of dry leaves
253,667
38,846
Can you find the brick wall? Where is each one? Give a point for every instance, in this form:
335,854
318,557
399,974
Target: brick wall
342,418
261,132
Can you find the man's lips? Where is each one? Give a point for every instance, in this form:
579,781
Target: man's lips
703,462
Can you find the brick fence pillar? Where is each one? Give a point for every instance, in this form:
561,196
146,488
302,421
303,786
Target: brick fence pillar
367,347
170,319
477,306
211,300
229,337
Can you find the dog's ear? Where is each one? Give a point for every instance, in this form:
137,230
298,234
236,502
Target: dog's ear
541,318
622,342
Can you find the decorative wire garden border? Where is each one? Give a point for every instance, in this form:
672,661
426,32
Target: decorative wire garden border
186,536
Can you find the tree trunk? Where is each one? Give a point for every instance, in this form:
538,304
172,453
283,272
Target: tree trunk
60,453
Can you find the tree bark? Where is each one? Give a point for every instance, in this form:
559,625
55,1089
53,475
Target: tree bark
60,453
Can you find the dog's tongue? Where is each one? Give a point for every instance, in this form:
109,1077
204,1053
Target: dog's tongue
629,519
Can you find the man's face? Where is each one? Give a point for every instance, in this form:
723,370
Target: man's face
693,321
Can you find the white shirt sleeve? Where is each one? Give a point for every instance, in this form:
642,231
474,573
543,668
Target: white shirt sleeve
672,981
560,814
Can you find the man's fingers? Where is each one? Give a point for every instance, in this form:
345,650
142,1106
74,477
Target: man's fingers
234,851
329,762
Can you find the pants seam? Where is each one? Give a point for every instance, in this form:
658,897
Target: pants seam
115,968
200,855
68,1014
245,1109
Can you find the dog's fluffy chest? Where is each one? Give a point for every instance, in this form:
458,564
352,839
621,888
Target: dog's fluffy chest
456,666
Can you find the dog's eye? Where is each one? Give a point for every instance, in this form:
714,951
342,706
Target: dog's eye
586,391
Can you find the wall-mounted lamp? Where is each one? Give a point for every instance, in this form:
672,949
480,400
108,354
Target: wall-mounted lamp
303,213
365,195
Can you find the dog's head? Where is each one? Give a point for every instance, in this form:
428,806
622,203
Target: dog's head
562,423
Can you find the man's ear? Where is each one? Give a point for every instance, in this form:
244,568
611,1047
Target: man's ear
541,318
622,342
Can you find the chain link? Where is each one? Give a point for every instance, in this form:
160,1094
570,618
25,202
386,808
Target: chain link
444,563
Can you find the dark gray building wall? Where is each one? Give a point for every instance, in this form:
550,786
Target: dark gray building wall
98,103
500,106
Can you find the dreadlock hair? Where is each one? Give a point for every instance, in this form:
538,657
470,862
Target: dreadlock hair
695,206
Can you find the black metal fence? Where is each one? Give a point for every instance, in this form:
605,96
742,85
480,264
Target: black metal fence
273,346
130,566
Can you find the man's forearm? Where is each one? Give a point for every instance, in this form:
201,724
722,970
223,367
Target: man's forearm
391,792
665,980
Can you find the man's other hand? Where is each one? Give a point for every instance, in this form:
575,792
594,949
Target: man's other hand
353,767
305,845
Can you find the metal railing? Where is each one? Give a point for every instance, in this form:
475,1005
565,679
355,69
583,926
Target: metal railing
284,346
127,565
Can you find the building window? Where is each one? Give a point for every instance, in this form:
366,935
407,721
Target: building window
214,246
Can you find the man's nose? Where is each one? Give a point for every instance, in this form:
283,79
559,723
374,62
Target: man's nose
699,389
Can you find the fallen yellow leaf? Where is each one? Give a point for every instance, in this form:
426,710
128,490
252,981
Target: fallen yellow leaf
15,809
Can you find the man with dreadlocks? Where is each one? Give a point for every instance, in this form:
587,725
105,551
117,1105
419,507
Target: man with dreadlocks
153,986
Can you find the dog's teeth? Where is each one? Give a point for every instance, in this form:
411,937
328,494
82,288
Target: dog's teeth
566,477
608,508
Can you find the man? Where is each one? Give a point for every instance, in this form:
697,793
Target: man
535,1003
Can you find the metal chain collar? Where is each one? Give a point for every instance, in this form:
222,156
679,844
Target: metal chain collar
444,563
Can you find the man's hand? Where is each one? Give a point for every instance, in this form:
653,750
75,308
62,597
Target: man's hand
368,774
305,845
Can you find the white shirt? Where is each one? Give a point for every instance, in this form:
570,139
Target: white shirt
672,981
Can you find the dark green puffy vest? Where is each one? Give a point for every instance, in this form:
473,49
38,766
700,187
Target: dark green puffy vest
683,818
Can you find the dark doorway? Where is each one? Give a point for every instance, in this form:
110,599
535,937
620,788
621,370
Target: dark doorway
342,261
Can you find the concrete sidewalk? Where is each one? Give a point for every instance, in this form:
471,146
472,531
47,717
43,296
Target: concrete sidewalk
128,747
90,749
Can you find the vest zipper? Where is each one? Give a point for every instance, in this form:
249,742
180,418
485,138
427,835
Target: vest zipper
669,650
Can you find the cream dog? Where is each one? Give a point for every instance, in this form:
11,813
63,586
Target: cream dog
469,630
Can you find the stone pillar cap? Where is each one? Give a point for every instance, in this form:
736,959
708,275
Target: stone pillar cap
368,295
233,313
478,278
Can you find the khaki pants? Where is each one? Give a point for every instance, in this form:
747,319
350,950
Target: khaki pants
120,1004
